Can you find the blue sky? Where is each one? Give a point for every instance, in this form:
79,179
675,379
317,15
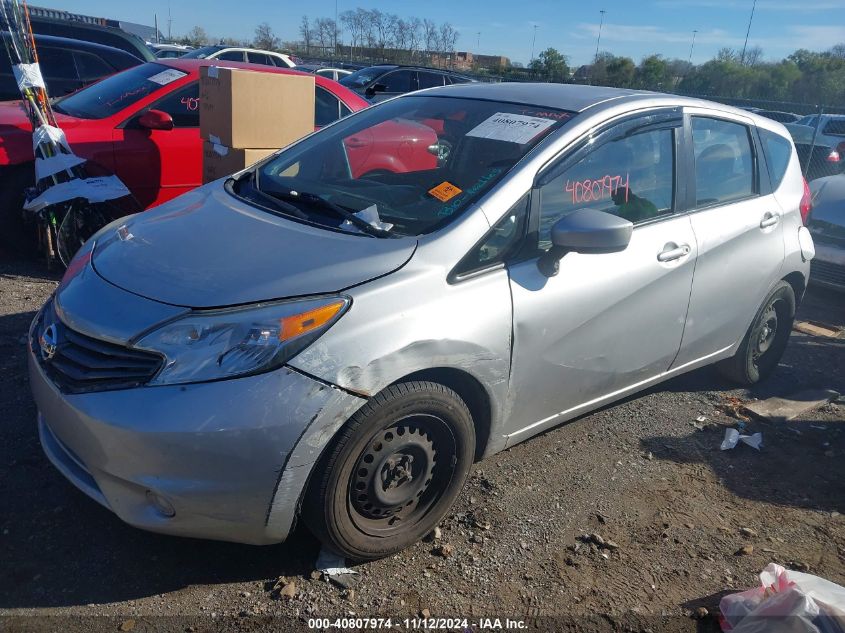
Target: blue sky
634,27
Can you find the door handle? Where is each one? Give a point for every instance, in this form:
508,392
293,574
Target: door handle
672,251
355,142
770,219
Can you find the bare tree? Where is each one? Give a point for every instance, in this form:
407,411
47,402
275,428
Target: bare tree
447,38
838,51
727,54
414,35
753,56
356,23
307,34
265,39
430,35
326,32
197,36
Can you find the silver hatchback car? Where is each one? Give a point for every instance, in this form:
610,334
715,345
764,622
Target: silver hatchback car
315,338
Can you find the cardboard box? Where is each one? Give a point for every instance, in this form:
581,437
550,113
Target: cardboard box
245,109
219,161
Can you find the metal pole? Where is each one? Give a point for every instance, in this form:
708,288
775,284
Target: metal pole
478,42
598,41
692,46
334,34
744,46
532,43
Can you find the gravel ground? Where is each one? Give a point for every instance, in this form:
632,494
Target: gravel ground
683,522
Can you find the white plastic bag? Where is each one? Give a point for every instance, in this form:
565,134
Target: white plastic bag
786,602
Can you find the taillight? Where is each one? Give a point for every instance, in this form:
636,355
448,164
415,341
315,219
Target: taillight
834,156
806,204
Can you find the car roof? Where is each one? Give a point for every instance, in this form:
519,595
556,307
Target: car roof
193,66
79,45
572,97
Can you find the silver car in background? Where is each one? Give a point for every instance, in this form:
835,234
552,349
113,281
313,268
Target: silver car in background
307,340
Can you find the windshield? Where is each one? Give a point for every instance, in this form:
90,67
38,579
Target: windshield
113,94
361,78
406,167
202,53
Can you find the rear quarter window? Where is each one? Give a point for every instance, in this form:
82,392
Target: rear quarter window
778,152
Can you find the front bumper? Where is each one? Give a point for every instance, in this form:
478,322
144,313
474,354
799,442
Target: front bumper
231,457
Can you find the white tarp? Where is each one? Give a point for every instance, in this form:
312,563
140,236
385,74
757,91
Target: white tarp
46,167
28,76
92,189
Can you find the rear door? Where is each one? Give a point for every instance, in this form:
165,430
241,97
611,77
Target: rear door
606,322
738,227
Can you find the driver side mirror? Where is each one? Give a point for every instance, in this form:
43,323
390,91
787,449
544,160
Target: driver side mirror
585,231
155,120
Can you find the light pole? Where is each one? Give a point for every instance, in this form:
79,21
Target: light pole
533,41
744,46
692,46
478,42
598,41
334,33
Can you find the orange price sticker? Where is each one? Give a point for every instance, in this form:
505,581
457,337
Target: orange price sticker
445,191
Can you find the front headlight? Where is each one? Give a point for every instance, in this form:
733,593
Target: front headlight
216,344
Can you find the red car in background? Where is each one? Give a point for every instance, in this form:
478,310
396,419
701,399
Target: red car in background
159,157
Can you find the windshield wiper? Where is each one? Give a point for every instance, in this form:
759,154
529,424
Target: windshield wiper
275,202
314,199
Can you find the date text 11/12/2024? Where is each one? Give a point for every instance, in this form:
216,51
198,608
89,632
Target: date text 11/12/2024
431,624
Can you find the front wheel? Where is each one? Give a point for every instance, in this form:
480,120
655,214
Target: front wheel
766,339
393,472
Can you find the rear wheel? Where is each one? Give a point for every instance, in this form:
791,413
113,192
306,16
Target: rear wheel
766,339
393,472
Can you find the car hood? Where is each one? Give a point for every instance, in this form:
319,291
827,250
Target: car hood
208,249
16,132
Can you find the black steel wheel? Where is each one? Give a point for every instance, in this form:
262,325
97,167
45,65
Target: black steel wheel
766,338
393,472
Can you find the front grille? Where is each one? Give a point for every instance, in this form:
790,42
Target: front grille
827,273
80,363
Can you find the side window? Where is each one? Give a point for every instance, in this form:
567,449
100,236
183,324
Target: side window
326,107
182,105
344,110
455,79
258,58
778,152
90,66
397,81
56,64
502,242
835,127
429,80
724,165
632,177
231,56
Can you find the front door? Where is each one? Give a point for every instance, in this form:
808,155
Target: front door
605,322
740,237
158,165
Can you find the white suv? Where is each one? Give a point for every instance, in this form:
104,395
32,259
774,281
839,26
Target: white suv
240,54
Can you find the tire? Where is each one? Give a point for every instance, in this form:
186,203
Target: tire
765,341
420,439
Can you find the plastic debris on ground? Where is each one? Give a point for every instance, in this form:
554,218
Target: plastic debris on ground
785,602
332,565
733,437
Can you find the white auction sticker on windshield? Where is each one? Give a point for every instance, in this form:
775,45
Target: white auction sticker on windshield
515,128
167,76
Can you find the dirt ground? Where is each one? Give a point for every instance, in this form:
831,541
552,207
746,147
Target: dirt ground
643,473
